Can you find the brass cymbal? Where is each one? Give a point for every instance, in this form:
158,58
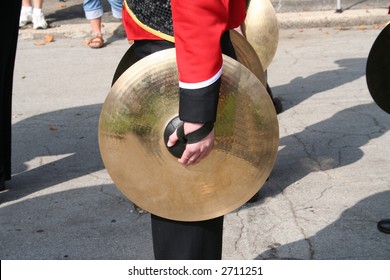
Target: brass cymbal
134,116
261,29
246,55
378,69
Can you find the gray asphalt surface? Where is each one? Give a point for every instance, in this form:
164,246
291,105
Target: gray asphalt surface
328,189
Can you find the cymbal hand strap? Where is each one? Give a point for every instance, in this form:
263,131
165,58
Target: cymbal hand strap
196,135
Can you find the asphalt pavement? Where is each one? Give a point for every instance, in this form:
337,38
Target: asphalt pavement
329,187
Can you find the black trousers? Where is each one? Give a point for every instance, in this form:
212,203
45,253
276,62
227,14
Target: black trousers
176,240
7,61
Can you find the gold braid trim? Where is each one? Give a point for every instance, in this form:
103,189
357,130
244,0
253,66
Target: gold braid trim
147,28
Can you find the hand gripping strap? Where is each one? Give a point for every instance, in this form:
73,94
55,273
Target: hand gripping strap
196,135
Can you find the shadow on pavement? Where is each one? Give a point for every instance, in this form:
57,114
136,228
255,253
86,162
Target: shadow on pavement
346,238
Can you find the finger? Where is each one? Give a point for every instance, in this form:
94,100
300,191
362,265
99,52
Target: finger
202,155
197,160
188,157
184,160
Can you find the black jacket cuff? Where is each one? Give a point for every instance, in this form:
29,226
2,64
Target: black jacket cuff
199,105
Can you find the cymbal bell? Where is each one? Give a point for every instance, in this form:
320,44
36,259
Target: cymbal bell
133,119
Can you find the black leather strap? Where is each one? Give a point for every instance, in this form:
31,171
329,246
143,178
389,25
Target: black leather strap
196,135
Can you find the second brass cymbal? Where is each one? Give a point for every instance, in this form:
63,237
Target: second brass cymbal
261,29
245,53
247,56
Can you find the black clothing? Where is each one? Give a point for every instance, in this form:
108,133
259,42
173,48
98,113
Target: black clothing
7,61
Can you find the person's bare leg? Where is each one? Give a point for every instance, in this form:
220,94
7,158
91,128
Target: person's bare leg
37,4
96,25
97,36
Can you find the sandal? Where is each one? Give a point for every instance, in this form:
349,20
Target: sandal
97,41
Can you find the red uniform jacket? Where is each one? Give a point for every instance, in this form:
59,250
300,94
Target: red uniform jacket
198,26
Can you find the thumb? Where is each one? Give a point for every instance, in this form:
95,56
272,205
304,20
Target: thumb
172,139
